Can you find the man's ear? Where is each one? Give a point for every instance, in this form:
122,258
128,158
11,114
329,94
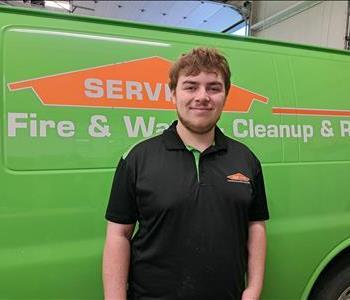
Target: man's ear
173,96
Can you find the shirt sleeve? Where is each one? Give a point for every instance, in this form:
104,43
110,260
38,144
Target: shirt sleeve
122,201
258,209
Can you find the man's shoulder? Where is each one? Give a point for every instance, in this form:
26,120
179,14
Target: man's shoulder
239,149
144,147
234,144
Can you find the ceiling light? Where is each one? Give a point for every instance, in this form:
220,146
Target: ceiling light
58,4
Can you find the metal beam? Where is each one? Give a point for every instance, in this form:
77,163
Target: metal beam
284,14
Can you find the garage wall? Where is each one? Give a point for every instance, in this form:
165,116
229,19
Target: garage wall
320,23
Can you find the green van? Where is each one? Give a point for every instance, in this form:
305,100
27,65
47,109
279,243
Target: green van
77,92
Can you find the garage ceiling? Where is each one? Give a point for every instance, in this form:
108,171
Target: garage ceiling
215,16
205,15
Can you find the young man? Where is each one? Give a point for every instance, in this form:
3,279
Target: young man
199,199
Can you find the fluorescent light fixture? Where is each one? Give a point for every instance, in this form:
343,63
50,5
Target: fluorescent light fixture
58,4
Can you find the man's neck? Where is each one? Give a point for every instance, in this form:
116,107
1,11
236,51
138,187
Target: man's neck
195,140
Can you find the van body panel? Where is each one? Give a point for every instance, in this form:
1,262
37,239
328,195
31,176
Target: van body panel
78,92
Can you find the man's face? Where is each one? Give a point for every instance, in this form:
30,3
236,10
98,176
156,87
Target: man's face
199,100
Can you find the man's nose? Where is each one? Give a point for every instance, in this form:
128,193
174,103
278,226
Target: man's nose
202,94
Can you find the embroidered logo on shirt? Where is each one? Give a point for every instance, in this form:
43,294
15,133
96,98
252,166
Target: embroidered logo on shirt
238,177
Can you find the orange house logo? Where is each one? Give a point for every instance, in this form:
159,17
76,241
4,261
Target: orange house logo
138,84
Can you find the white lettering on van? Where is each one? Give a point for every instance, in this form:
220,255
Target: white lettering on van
98,127
93,88
65,128
260,131
153,96
308,132
239,133
160,127
118,89
143,128
30,124
114,89
242,128
272,131
14,122
146,131
345,128
133,88
44,124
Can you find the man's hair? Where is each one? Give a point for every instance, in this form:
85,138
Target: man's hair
200,60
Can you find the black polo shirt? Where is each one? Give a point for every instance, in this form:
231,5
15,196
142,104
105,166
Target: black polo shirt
193,230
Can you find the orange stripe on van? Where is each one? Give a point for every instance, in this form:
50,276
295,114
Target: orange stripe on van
141,84
310,112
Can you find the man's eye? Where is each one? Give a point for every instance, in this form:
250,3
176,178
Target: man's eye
190,88
215,89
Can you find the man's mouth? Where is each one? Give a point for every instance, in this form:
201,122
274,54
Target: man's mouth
200,108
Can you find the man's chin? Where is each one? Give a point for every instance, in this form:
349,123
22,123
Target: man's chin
198,128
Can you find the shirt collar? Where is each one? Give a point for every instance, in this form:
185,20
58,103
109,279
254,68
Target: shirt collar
173,141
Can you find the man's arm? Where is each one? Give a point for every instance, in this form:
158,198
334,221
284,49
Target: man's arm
116,259
256,260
